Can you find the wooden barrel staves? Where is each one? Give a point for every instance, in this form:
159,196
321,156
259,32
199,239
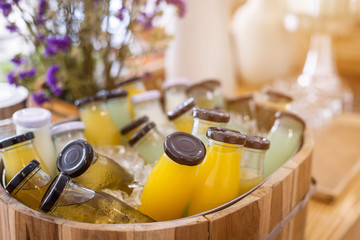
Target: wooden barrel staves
275,210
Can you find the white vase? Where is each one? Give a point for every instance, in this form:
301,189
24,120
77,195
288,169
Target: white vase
201,45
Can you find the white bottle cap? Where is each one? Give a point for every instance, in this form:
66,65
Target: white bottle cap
32,117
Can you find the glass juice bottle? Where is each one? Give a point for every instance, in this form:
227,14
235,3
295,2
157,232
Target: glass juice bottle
148,104
252,162
174,92
95,171
118,107
242,113
218,177
148,142
63,133
133,86
285,137
29,185
37,120
17,152
205,118
100,129
181,116
168,188
129,130
207,94
271,102
65,199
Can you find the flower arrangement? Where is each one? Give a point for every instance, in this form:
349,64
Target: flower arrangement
81,46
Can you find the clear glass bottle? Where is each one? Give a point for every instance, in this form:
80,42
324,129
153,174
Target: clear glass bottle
181,116
118,107
148,141
252,162
207,94
242,113
7,128
65,199
174,92
37,120
148,104
285,137
100,129
269,103
205,118
17,152
218,177
92,170
133,86
129,130
29,185
168,188
63,133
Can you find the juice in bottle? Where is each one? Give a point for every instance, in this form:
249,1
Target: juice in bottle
64,198
205,118
18,151
218,177
285,137
129,130
168,188
29,185
148,142
92,170
63,133
252,162
100,129
181,116
174,92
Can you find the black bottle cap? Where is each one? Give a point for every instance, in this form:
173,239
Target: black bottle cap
211,115
7,142
257,142
181,109
226,135
141,133
131,126
21,175
115,93
184,148
75,158
128,81
93,98
53,192
276,96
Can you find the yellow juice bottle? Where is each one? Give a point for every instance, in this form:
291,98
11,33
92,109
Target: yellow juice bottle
129,130
218,177
100,129
29,185
18,151
181,116
205,118
252,162
64,198
168,188
92,170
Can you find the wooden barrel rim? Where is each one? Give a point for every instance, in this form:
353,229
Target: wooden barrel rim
15,206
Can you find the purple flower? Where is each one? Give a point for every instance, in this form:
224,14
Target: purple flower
42,7
145,21
54,44
57,91
12,79
181,6
5,8
52,80
40,98
31,73
40,37
12,28
15,1
17,60
22,74
121,13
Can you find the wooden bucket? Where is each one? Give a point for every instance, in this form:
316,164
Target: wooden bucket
275,210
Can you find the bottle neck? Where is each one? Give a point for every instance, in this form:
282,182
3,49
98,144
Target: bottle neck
200,126
19,147
36,179
223,147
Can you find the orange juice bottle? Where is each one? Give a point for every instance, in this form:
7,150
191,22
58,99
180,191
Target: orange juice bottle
18,151
100,129
205,118
29,185
181,116
168,188
252,162
218,177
